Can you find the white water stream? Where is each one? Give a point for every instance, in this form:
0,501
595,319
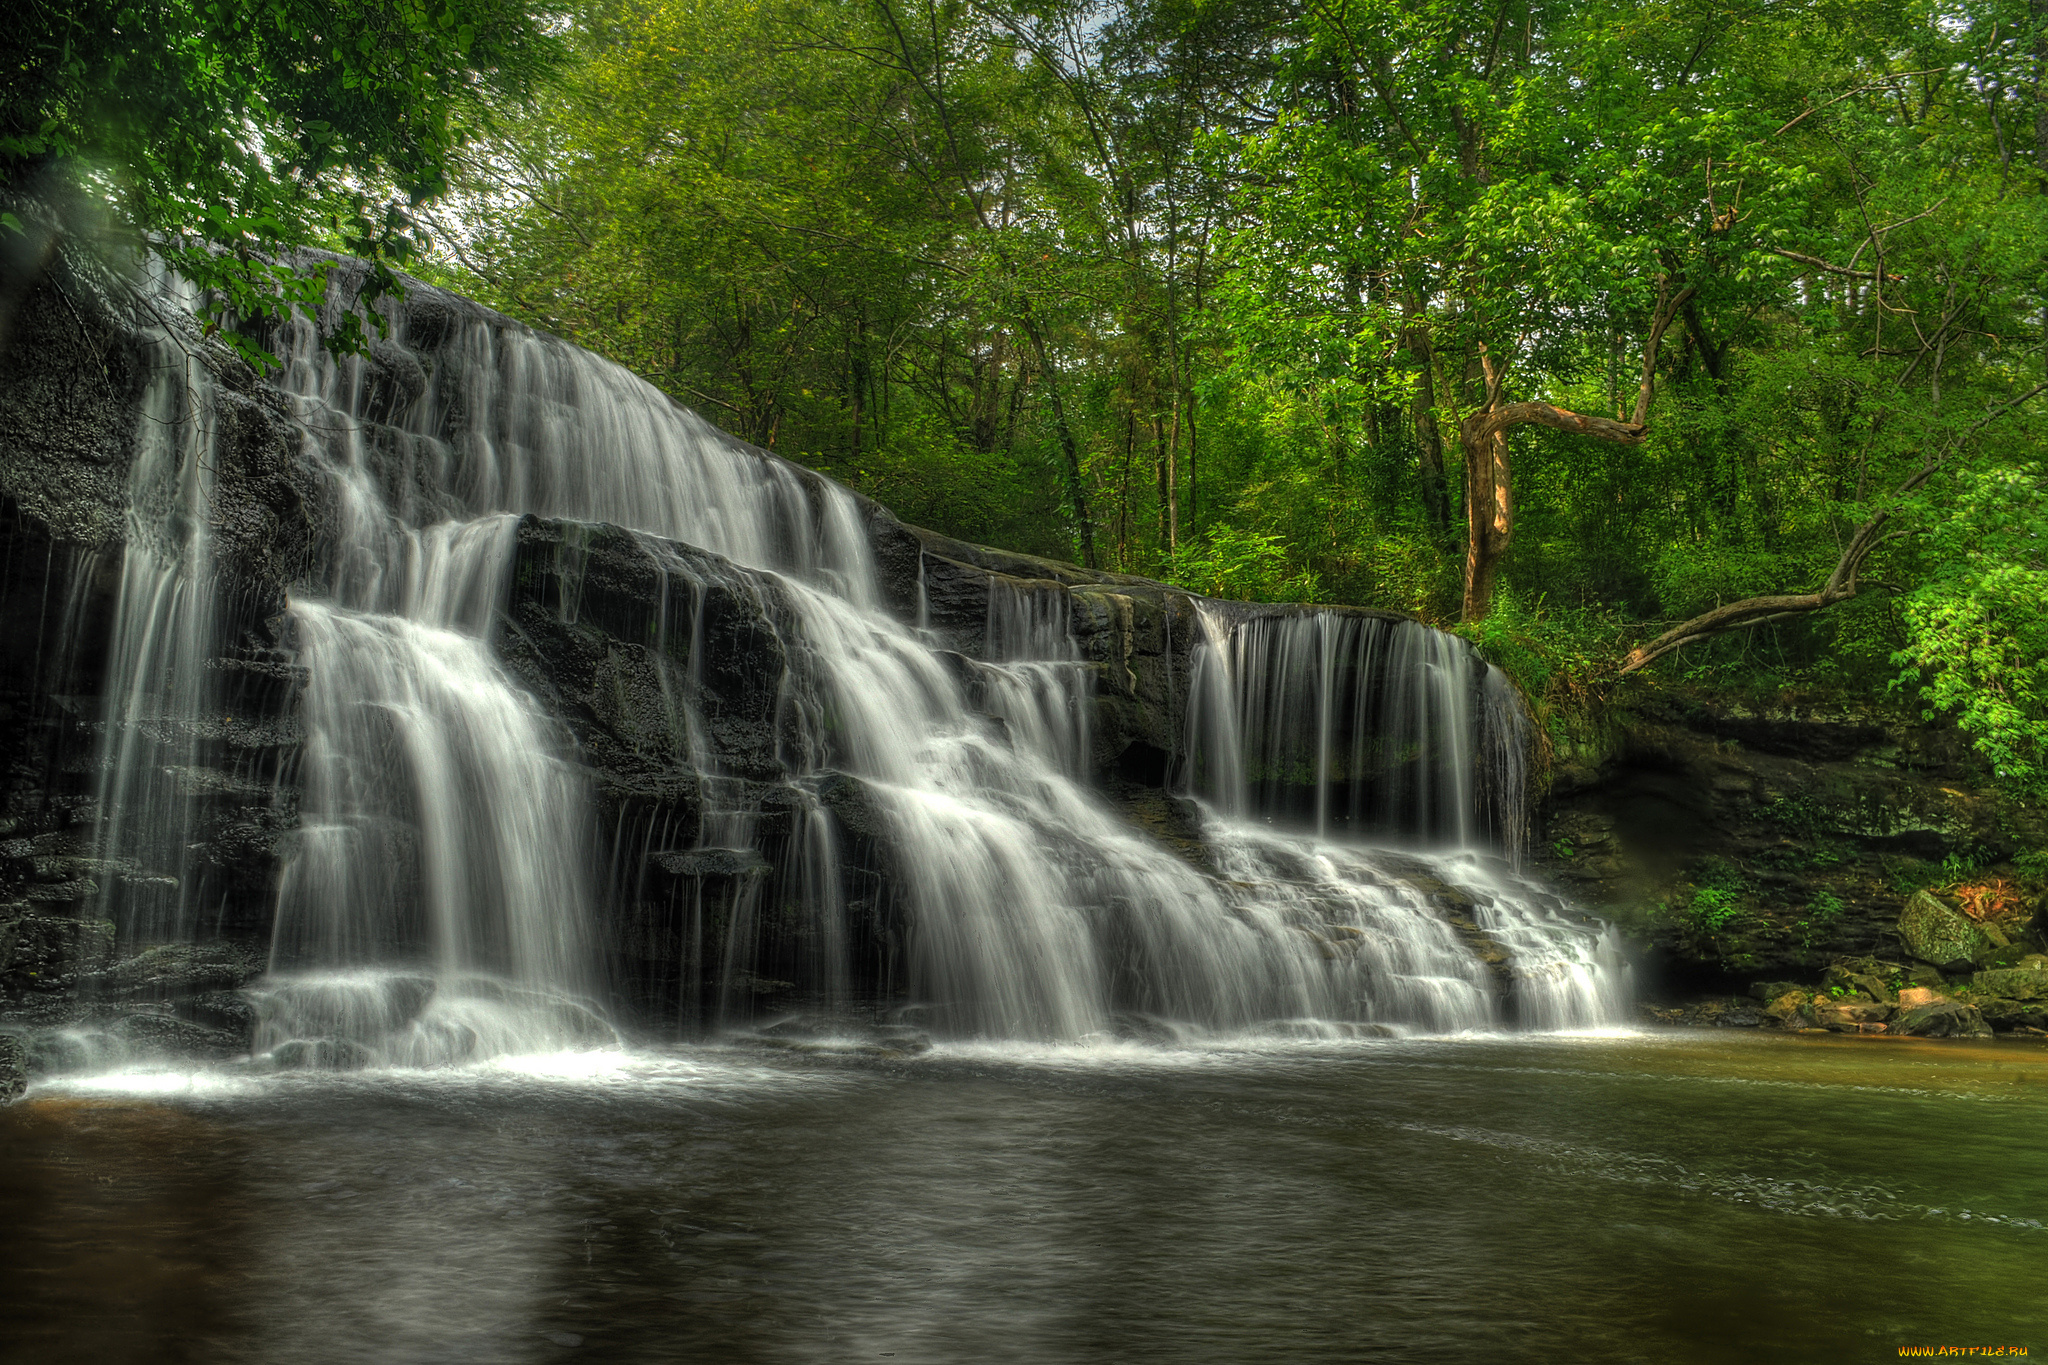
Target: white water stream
441,897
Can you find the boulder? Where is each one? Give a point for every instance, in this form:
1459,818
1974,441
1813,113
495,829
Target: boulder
38,947
1862,977
1849,1016
1791,1009
2004,1013
1941,935
2013,983
1940,1019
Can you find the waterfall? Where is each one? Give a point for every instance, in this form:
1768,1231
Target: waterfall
441,896
1342,722
159,691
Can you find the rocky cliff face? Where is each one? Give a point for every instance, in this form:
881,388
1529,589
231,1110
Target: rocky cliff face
1749,849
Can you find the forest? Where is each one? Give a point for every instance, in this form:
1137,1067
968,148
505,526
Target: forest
1697,338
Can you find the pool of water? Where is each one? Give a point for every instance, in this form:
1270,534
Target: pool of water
1671,1198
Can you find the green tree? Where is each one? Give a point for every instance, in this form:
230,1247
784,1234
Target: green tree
228,133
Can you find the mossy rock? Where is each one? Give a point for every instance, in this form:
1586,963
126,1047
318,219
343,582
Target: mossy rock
2013,983
1939,934
2004,1013
1863,977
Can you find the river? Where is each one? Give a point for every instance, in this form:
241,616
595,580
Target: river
1673,1198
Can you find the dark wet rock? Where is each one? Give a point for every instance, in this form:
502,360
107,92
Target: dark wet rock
1768,991
152,1035
2008,1014
829,1034
1736,845
13,1068
319,1054
1939,1019
62,893
853,804
1172,821
39,950
1719,1012
229,1011
1132,1027
176,969
317,1007
713,862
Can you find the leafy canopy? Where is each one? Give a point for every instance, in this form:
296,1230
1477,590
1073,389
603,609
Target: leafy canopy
229,132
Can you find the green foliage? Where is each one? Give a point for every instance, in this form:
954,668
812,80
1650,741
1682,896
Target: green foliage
2032,866
1908,875
1553,653
1246,565
1206,290
226,134
1963,862
1822,913
1977,624
1718,900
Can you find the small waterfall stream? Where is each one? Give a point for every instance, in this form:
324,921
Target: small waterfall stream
441,896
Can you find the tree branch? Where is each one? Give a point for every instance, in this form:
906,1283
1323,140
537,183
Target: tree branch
1819,264
1857,91
1842,583
1481,425
1668,305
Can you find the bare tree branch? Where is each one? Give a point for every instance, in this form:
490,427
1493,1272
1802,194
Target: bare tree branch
1843,583
1819,264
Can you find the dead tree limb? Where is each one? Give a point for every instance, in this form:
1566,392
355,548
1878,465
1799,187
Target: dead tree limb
1842,584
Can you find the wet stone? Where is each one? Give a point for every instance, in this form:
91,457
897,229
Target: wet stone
1940,1019
13,1068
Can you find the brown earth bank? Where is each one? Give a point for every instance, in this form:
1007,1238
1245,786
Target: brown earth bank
1835,864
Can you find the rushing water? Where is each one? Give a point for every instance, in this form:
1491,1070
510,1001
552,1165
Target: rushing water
439,900
1733,1200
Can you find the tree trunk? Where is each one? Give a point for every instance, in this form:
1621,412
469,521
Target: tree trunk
1070,450
1489,502
1429,439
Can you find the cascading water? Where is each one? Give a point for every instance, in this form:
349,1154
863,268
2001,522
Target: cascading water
440,897
1332,723
159,688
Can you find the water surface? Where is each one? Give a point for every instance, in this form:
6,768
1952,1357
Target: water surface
1670,1198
